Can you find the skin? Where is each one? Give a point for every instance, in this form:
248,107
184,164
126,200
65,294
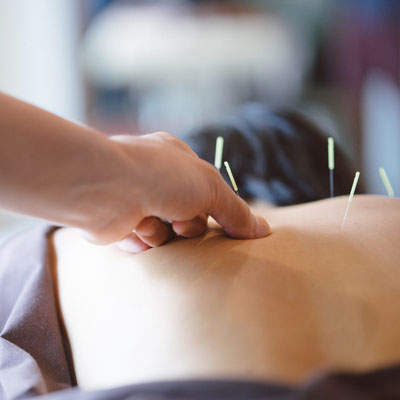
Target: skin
121,190
310,297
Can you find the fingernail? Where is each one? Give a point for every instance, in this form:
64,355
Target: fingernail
262,228
132,246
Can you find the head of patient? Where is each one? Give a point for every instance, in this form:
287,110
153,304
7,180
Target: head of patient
279,156
310,298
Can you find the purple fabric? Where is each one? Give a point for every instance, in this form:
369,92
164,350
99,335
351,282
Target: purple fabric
34,357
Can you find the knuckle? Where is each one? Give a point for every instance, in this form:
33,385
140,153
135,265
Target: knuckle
174,140
164,134
165,137
195,227
158,238
155,232
148,226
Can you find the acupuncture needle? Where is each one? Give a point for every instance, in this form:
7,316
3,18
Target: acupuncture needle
219,147
386,182
331,163
353,189
233,182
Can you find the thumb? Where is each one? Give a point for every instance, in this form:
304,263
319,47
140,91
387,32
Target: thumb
235,216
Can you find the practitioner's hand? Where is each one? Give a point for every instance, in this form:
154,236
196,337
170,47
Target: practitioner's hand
129,187
166,181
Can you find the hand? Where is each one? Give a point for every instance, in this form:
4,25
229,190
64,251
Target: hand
164,180
126,188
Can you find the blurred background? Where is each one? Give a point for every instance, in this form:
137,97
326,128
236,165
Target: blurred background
171,65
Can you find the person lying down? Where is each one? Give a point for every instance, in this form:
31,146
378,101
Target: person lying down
307,313
310,298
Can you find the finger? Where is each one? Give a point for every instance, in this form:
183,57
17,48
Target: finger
192,228
132,244
154,232
234,215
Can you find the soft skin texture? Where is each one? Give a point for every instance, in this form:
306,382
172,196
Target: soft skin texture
75,176
310,297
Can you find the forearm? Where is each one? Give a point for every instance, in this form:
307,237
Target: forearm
55,169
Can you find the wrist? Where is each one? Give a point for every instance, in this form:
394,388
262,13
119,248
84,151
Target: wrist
112,197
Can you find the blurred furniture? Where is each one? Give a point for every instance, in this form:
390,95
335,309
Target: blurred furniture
176,67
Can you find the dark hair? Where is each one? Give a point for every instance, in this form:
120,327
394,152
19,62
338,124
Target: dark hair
279,156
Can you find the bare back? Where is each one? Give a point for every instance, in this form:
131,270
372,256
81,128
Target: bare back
309,297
